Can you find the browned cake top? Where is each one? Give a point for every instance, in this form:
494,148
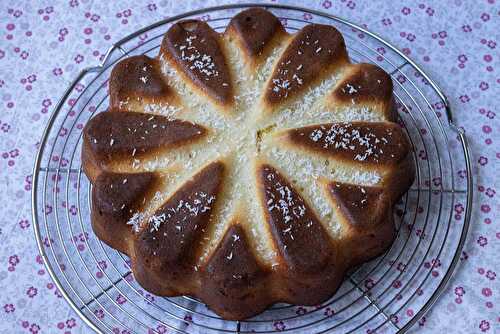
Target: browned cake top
112,133
376,143
364,83
299,235
137,76
195,48
311,52
172,233
361,204
233,263
118,193
256,28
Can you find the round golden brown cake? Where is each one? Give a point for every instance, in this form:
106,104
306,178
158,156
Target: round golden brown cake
249,167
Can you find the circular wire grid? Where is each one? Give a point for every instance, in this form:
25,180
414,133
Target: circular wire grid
389,294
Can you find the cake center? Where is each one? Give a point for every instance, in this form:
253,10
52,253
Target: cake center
260,134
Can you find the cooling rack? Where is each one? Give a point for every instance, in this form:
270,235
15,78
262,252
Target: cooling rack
389,294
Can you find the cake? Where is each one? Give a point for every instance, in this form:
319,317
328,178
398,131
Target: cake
247,167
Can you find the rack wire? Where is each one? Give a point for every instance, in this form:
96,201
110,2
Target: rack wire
389,294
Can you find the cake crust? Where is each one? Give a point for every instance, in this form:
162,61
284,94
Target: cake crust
197,178
256,29
194,49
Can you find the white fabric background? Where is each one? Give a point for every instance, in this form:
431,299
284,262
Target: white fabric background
44,44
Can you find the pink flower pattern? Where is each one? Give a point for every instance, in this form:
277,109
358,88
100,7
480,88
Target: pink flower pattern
46,43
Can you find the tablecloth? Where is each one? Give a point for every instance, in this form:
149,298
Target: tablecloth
44,44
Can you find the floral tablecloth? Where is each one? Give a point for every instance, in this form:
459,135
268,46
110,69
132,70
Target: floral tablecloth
44,44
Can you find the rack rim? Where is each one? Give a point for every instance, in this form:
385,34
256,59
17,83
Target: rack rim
118,46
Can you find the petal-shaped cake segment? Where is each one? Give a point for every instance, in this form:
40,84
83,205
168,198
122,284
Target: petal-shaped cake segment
360,204
301,239
255,29
366,217
115,198
116,135
367,85
118,193
169,241
314,52
233,279
136,81
376,143
194,49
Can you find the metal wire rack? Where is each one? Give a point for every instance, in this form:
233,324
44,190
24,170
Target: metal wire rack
389,294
